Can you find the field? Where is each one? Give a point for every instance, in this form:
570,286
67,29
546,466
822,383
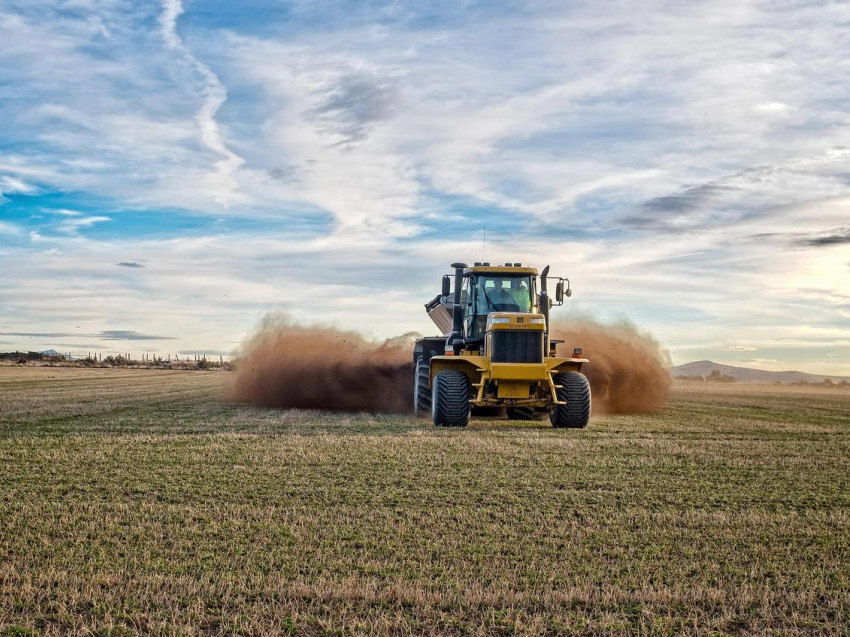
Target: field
134,502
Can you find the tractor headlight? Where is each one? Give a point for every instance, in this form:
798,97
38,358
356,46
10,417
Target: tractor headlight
537,321
500,319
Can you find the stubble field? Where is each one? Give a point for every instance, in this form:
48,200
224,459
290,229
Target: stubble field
135,502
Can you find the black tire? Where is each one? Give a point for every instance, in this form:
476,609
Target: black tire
521,413
575,392
421,389
450,399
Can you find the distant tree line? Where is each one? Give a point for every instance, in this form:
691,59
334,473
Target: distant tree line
717,377
826,382
194,361
714,377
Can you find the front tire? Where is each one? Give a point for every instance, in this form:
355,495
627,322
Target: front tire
575,392
421,389
450,399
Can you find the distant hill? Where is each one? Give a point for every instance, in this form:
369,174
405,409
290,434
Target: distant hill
749,375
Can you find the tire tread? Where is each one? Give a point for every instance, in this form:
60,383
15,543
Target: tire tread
421,390
575,392
450,399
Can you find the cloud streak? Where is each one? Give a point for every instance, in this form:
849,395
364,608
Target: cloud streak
106,335
839,236
9,228
214,95
351,106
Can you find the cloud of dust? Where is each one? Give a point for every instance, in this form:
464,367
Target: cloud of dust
289,365
628,369
285,364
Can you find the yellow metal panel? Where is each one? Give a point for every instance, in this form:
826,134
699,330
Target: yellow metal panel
517,327
514,390
564,364
472,366
518,321
518,371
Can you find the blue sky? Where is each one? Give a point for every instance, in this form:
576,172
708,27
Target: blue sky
170,171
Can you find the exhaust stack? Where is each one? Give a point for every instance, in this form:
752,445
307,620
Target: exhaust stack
544,299
455,340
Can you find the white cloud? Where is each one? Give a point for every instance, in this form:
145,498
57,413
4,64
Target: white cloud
171,10
9,228
13,185
74,225
65,212
222,182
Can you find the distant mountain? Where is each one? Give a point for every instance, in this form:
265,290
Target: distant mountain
50,352
749,375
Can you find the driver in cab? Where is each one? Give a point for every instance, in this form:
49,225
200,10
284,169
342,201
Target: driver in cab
519,294
501,298
510,299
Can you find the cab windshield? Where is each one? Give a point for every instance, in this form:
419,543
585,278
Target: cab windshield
498,293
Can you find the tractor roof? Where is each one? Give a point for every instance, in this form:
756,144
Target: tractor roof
507,270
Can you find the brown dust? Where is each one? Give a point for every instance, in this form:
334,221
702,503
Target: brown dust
628,369
285,364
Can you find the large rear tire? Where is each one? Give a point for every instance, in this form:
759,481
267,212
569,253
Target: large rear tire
450,399
421,389
575,392
521,413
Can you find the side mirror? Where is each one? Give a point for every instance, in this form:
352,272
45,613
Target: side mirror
447,285
562,290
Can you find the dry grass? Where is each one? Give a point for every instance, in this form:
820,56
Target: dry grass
133,502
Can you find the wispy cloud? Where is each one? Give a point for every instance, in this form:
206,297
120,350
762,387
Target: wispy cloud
9,228
171,10
106,335
214,95
128,335
839,236
13,185
351,105
130,264
73,225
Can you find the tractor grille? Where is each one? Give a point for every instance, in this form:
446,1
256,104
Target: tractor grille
517,347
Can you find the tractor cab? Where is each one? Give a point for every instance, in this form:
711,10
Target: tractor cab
487,289
482,290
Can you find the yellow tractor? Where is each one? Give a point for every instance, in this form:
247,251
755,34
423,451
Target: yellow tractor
495,351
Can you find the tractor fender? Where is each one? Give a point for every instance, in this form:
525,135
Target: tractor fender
558,365
472,366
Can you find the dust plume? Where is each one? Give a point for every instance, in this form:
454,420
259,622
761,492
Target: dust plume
285,364
289,365
628,369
